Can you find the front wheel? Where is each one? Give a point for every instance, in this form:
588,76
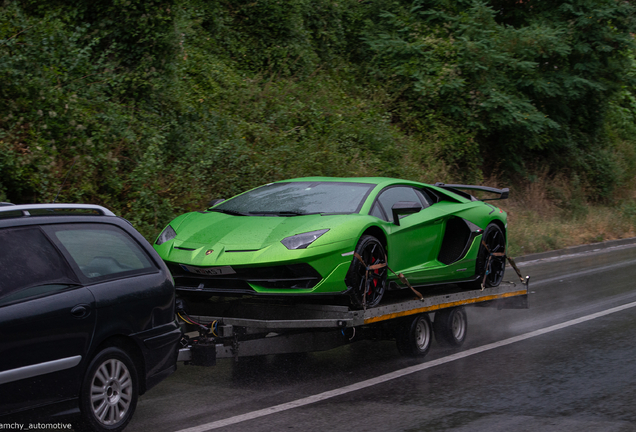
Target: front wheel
109,391
366,287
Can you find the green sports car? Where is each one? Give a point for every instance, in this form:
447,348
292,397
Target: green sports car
337,236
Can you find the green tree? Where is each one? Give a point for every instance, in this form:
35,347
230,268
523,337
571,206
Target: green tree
532,78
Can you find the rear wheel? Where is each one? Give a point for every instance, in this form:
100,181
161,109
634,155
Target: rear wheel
450,326
109,392
414,336
366,288
493,268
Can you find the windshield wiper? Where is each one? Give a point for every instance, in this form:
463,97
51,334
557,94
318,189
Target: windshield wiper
227,211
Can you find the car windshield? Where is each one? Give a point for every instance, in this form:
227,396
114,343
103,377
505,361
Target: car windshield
298,198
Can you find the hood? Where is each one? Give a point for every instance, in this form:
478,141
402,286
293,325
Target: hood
245,232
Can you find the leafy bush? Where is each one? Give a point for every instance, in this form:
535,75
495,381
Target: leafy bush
154,107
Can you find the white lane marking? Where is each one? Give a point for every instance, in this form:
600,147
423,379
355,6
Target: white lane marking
399,373
583,273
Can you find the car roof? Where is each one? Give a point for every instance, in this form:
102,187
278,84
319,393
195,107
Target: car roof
379,181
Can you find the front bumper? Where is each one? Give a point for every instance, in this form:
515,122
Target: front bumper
320,269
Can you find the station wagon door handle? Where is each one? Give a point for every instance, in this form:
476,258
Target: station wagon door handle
80,311
438,221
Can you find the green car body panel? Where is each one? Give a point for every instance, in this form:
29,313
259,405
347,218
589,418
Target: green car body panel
211,239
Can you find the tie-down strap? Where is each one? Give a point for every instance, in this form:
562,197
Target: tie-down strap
382,265
499,254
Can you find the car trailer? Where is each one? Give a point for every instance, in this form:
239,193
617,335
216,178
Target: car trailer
254,327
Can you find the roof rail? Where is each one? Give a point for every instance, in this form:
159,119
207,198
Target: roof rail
25,208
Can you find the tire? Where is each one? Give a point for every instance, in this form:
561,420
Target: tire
450,326
494,270
110,390
372,252
414,336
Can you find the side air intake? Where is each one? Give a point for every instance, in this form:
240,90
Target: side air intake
455,243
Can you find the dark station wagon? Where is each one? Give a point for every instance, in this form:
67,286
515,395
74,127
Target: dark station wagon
87,319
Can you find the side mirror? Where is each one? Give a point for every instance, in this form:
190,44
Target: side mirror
215,202
404,208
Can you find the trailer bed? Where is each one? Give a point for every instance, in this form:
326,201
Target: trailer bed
258,327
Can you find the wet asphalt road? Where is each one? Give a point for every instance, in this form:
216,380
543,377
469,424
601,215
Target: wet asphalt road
578,378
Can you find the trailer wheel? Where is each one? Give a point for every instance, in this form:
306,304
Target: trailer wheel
109,392
366,290
414,336
450,326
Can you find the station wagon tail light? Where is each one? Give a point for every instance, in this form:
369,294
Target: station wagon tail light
301,241
167,234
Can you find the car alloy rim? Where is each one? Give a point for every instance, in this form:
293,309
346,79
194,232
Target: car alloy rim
111,392
496,265
372,288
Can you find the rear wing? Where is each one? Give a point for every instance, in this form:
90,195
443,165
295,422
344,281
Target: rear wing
503,193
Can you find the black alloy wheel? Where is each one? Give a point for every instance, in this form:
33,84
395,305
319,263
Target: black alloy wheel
494,267
366,288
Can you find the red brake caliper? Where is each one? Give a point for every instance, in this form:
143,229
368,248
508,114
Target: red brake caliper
376,271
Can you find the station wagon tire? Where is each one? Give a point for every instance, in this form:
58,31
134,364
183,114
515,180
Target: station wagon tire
494,238
372,252
109,391
450,326
414,336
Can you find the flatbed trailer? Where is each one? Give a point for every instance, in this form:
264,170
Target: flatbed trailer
244,328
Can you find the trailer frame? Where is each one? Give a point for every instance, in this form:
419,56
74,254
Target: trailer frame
245,328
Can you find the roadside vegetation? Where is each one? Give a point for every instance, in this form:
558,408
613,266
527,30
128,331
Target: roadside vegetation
154,107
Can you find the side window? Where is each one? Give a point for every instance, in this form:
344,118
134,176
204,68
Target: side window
30,265
100,251
377,212
395,194
428,197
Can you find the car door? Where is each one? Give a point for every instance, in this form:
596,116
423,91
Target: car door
46,322
413,245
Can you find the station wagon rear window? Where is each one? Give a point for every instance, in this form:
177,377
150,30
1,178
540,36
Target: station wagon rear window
100,250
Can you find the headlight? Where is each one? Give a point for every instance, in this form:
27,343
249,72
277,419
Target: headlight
167,234
301,241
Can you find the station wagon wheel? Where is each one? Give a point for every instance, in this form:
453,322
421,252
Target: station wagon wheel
494,268
414,336
109,391
366,288
450,326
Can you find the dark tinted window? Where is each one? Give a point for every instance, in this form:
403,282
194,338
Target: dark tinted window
377,211
427,199
395,194
100,250
300,198
30,265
